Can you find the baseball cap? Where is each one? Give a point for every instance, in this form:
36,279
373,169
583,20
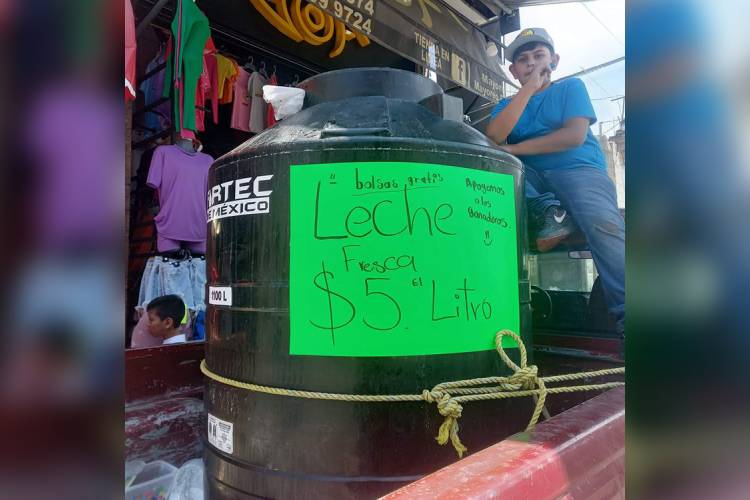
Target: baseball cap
528,35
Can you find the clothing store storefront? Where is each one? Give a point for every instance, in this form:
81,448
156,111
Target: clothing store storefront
195,73
198,77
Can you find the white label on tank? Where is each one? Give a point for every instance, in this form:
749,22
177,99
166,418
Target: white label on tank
220,295
220,434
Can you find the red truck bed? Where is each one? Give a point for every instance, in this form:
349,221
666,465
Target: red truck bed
578,453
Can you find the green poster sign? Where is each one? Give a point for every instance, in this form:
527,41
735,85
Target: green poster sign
400,259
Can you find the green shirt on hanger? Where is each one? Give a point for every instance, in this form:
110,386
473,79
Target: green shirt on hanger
190,31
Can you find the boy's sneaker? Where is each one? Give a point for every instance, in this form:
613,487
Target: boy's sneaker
556,226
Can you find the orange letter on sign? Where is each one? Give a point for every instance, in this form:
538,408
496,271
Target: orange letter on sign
279,18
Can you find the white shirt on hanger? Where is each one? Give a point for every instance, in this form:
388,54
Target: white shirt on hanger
257,104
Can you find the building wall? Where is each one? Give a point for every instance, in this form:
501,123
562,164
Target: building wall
614,152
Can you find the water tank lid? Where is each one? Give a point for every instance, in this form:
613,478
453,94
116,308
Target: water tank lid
364,82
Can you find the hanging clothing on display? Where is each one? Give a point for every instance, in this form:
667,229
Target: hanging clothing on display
257,104
227,76
185,277
241,103
190,32
270,118
130,52
158,118
181,181
208,87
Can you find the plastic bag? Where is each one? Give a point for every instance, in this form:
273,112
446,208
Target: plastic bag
132,469
286,101
188,481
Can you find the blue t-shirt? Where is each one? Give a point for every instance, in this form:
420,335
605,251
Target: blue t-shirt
548,111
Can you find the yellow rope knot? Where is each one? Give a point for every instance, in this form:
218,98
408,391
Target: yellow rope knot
451,410
524,378
449,407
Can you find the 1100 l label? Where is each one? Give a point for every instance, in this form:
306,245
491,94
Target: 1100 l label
220,295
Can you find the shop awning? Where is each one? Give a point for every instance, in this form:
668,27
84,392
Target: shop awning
430,33
508,6
441,35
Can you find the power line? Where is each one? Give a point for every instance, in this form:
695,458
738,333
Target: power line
595,81
593,68
602,24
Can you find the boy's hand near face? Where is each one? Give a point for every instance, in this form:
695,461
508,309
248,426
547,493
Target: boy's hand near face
539,77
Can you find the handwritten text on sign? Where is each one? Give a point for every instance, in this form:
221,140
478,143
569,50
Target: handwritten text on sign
400,259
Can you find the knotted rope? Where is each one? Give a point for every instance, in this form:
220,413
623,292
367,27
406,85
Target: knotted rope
449,396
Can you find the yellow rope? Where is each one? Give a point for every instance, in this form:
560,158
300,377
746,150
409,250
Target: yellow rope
448,396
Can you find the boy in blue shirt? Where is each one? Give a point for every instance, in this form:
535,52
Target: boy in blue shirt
546,125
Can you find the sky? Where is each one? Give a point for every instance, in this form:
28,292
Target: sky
583,41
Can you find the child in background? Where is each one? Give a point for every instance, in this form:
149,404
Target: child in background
166,315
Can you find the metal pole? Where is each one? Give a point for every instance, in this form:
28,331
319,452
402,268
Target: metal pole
150,17
503,7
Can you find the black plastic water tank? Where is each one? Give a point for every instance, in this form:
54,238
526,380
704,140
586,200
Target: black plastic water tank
364,245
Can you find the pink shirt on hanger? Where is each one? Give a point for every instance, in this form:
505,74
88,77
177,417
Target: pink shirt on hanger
241,104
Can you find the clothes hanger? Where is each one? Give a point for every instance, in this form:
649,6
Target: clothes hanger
296,80
249,66
159,53
263,72
273,73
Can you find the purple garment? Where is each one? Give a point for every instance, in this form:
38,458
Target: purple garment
181,180
167,245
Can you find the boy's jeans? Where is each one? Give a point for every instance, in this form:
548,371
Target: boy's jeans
589,196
